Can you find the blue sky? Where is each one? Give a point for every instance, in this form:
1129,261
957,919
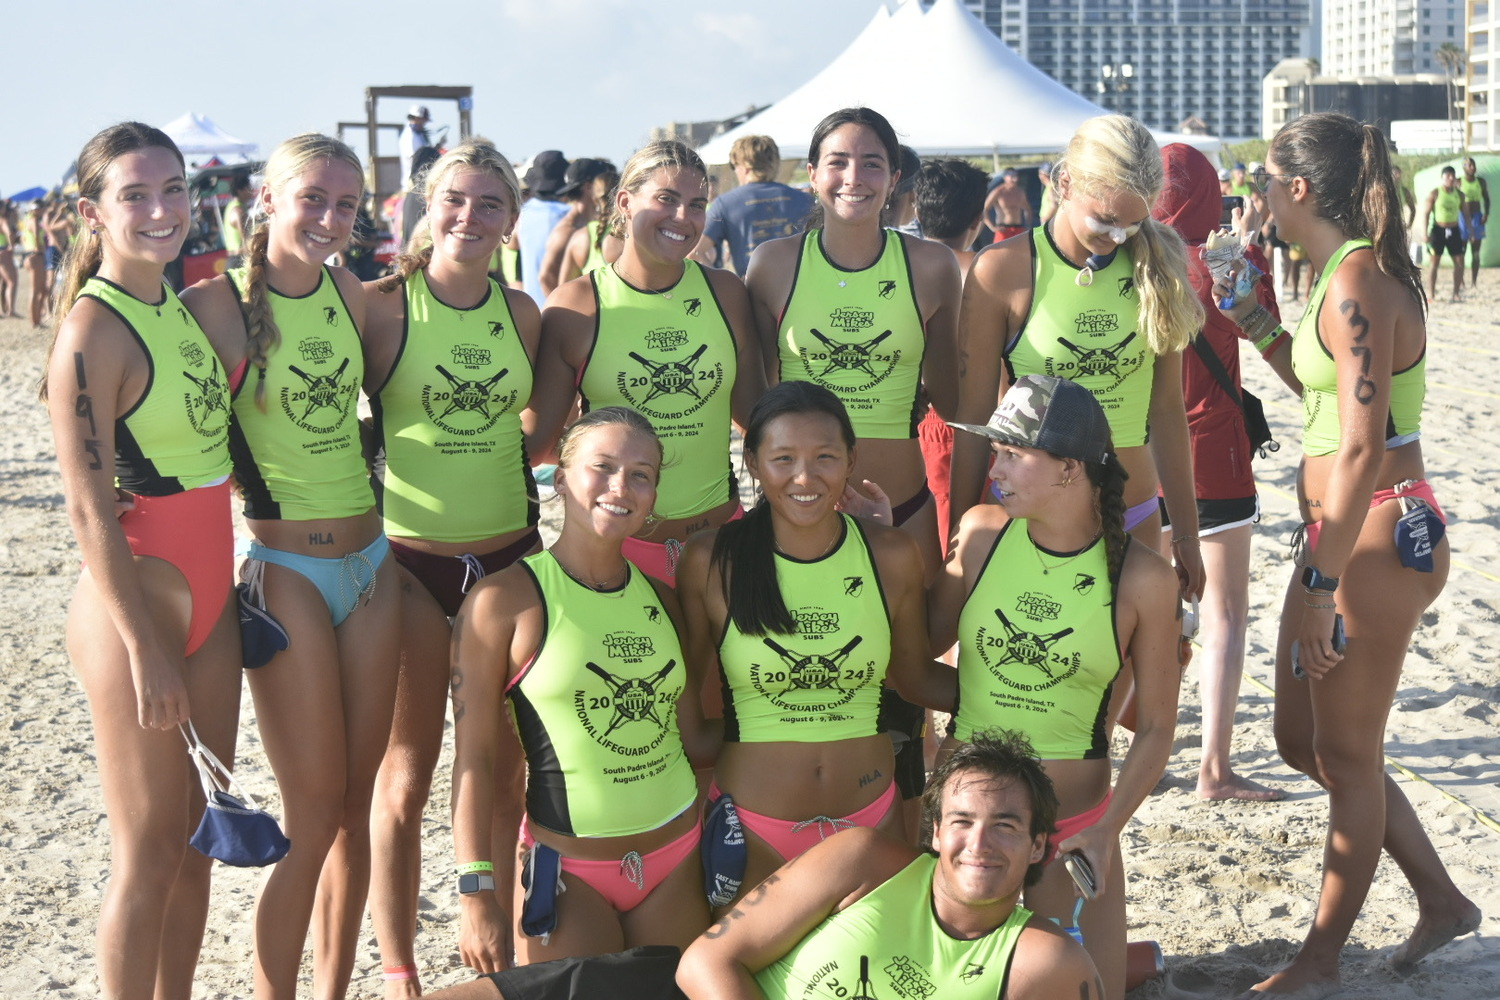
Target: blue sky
589,77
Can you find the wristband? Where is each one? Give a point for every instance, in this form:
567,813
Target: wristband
1184,538
1269,339
471,867
1320,607
395,973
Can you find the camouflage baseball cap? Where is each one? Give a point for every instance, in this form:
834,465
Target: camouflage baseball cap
1060,417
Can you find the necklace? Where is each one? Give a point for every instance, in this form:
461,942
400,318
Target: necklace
665,292
826,549
609,588
1046,570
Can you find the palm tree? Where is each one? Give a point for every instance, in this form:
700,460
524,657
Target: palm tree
1451,58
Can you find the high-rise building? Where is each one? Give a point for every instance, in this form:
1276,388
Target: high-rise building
1483,74
1388,37
1163,61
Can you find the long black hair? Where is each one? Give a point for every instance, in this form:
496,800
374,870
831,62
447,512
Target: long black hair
745,550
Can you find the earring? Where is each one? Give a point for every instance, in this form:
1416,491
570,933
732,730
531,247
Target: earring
505,239
94,231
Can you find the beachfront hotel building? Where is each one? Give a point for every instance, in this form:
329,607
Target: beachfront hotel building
1483,75
1386,38
1162,61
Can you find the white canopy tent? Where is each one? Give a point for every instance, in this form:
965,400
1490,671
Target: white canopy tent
197,135
945,82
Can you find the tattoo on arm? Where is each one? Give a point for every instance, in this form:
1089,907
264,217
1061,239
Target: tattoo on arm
757,895
1364,388
83,409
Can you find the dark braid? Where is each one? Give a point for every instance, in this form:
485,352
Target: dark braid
1109,483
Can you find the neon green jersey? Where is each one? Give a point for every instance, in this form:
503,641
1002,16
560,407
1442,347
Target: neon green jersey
1448,207
299,459
669,356
1037,649
1088,334
449,417
888,944
1471,190
858,334
176,437
1316,369
822,683
596,709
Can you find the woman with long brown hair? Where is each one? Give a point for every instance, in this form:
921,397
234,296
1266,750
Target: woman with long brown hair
139,399
1371,556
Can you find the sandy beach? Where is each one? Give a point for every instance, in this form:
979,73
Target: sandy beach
1226,888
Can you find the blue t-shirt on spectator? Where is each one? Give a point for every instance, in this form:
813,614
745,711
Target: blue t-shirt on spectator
753,214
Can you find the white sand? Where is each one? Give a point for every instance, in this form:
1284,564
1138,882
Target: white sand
1227,888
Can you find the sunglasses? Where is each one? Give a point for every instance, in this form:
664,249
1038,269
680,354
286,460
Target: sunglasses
1262,180
1117,233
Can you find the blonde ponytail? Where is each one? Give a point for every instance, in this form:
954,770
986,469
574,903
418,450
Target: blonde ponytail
1170,312
261,331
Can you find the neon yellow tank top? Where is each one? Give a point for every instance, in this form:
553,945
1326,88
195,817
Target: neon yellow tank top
300,458
1037,648
1447,208
595,259
858,334
1471,190
449,416
27,235
1316,369
4,240
1090,335
596,709
671,358
888,944
176,437
823,683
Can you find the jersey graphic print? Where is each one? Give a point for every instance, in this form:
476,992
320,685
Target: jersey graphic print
628,703
849,357
207,402
1101,355
904,978
1023,652
674,383
325,396
470,397
821,674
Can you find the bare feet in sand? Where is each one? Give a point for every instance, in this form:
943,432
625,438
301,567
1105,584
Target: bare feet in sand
1431,933
1293,983
1236,787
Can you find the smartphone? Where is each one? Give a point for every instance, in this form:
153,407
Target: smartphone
1083,874
1226,213
1340,643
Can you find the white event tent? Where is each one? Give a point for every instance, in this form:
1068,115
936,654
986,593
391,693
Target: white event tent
197,135
947,85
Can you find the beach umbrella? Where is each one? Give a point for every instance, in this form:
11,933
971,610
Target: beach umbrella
30,194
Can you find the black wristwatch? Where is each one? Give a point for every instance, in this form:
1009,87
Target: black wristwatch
1314,580
474,883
